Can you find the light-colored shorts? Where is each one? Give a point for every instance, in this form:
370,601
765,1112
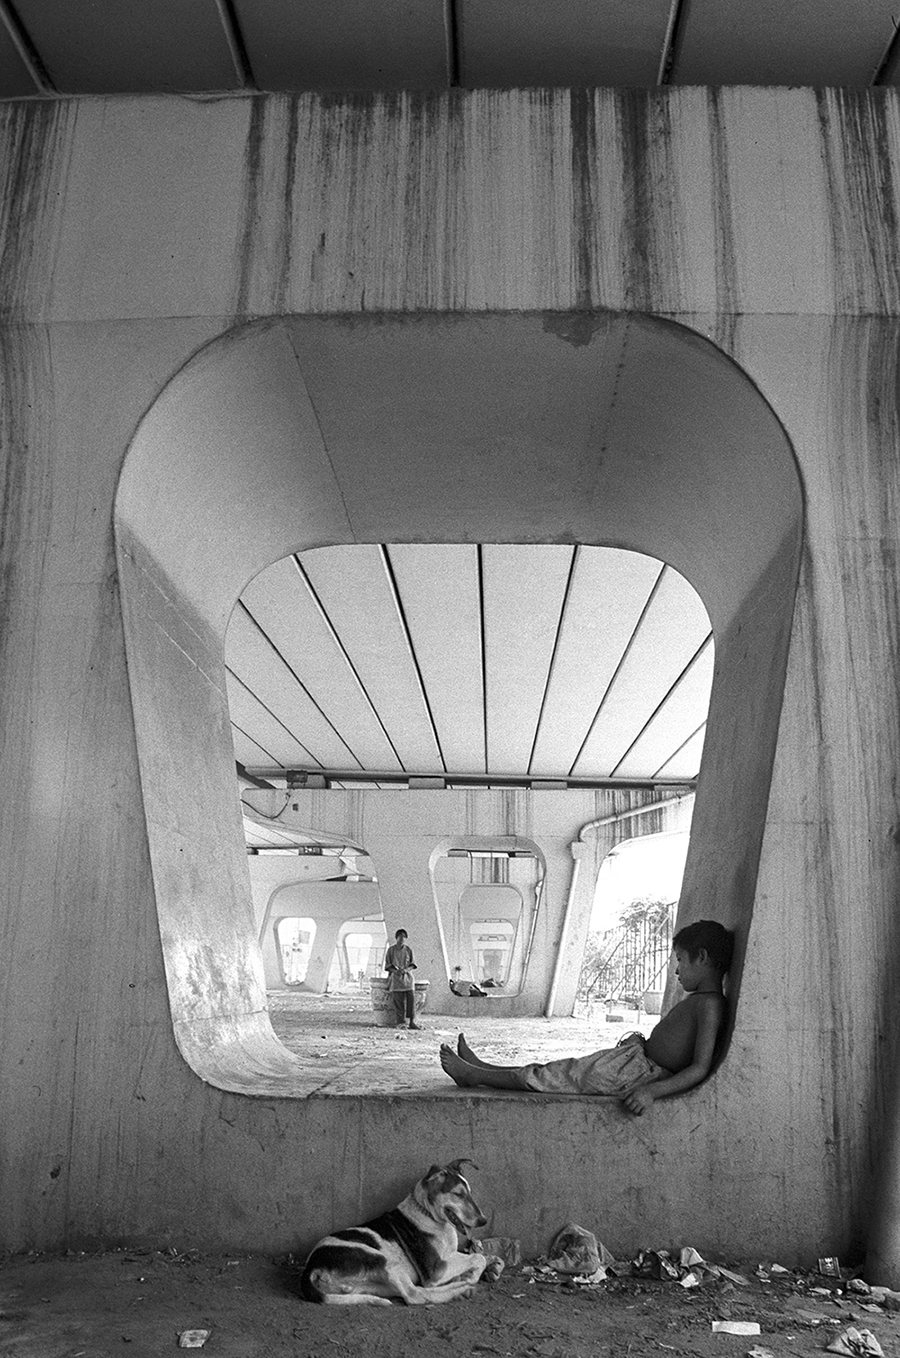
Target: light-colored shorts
613,1071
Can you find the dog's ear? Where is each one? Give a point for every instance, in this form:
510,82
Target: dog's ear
435,1172
455,1166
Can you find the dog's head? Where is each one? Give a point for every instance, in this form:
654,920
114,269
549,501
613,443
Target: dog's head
449,1198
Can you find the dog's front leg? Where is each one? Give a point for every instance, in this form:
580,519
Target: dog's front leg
459,1275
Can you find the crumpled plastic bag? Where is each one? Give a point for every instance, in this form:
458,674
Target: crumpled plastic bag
501,1247
655,1264
856,1344
574,1250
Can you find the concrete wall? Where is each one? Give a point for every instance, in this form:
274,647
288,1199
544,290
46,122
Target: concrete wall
134,232
330,905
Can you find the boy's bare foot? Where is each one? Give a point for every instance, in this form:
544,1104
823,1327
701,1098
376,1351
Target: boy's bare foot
457,1068
465,1052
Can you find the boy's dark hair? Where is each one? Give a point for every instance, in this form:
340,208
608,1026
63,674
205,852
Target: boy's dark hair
709,934
401,931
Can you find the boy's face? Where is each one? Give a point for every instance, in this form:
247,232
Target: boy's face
691,970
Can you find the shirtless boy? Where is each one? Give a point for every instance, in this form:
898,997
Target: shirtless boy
677,1055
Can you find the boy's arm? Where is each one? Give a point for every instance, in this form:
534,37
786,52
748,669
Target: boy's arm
709,1025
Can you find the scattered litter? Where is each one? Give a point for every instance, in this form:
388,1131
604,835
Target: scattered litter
856,1344
736,1327
758,1352
733,1277
193,1339
655,1264
859,1285
691,1279
829,1267
574,1250
501,1247
689,1257
886,1297
821,1291
779,1269
814,1318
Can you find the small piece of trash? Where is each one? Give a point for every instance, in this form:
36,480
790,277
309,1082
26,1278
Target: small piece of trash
856,1344
736,1327
691,1279
779,1269
689,1256
858,1285
501,1247
812,1317
734,1277
829,1266
757,1352
574,1250
589,1279
193,1339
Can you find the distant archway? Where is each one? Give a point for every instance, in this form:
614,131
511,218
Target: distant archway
311,431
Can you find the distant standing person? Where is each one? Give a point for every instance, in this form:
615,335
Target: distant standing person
400,964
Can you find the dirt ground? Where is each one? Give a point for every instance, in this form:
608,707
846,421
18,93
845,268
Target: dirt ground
137,1303
340,1036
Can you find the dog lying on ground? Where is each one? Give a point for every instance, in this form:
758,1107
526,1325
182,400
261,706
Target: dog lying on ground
411,1252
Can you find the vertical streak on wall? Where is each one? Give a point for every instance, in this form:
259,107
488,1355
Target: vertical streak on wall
286,215
725,252
26,504
867,505
584,156
251,206
857,153
34,136
651,242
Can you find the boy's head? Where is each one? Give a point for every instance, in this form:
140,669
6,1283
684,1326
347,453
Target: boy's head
706,935
401,935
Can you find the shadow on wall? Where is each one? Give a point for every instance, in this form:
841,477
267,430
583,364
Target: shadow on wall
311,431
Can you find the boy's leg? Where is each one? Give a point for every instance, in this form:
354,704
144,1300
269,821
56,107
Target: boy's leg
398,997
467,1075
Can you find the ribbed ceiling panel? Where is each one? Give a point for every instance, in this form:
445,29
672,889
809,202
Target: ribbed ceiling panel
553,660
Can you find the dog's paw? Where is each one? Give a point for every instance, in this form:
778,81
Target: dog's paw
493,1268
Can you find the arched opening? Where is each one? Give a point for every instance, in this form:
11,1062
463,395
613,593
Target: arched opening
307,432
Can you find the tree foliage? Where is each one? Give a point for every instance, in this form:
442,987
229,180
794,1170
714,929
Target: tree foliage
622,962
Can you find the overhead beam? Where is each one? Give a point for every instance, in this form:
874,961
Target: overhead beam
322,778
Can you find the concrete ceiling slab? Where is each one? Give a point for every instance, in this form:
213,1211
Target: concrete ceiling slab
577,43
808,42
128,46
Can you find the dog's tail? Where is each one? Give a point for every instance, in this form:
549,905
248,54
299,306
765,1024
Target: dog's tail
357,1299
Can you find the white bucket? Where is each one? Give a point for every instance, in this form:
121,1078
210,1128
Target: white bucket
383,1005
